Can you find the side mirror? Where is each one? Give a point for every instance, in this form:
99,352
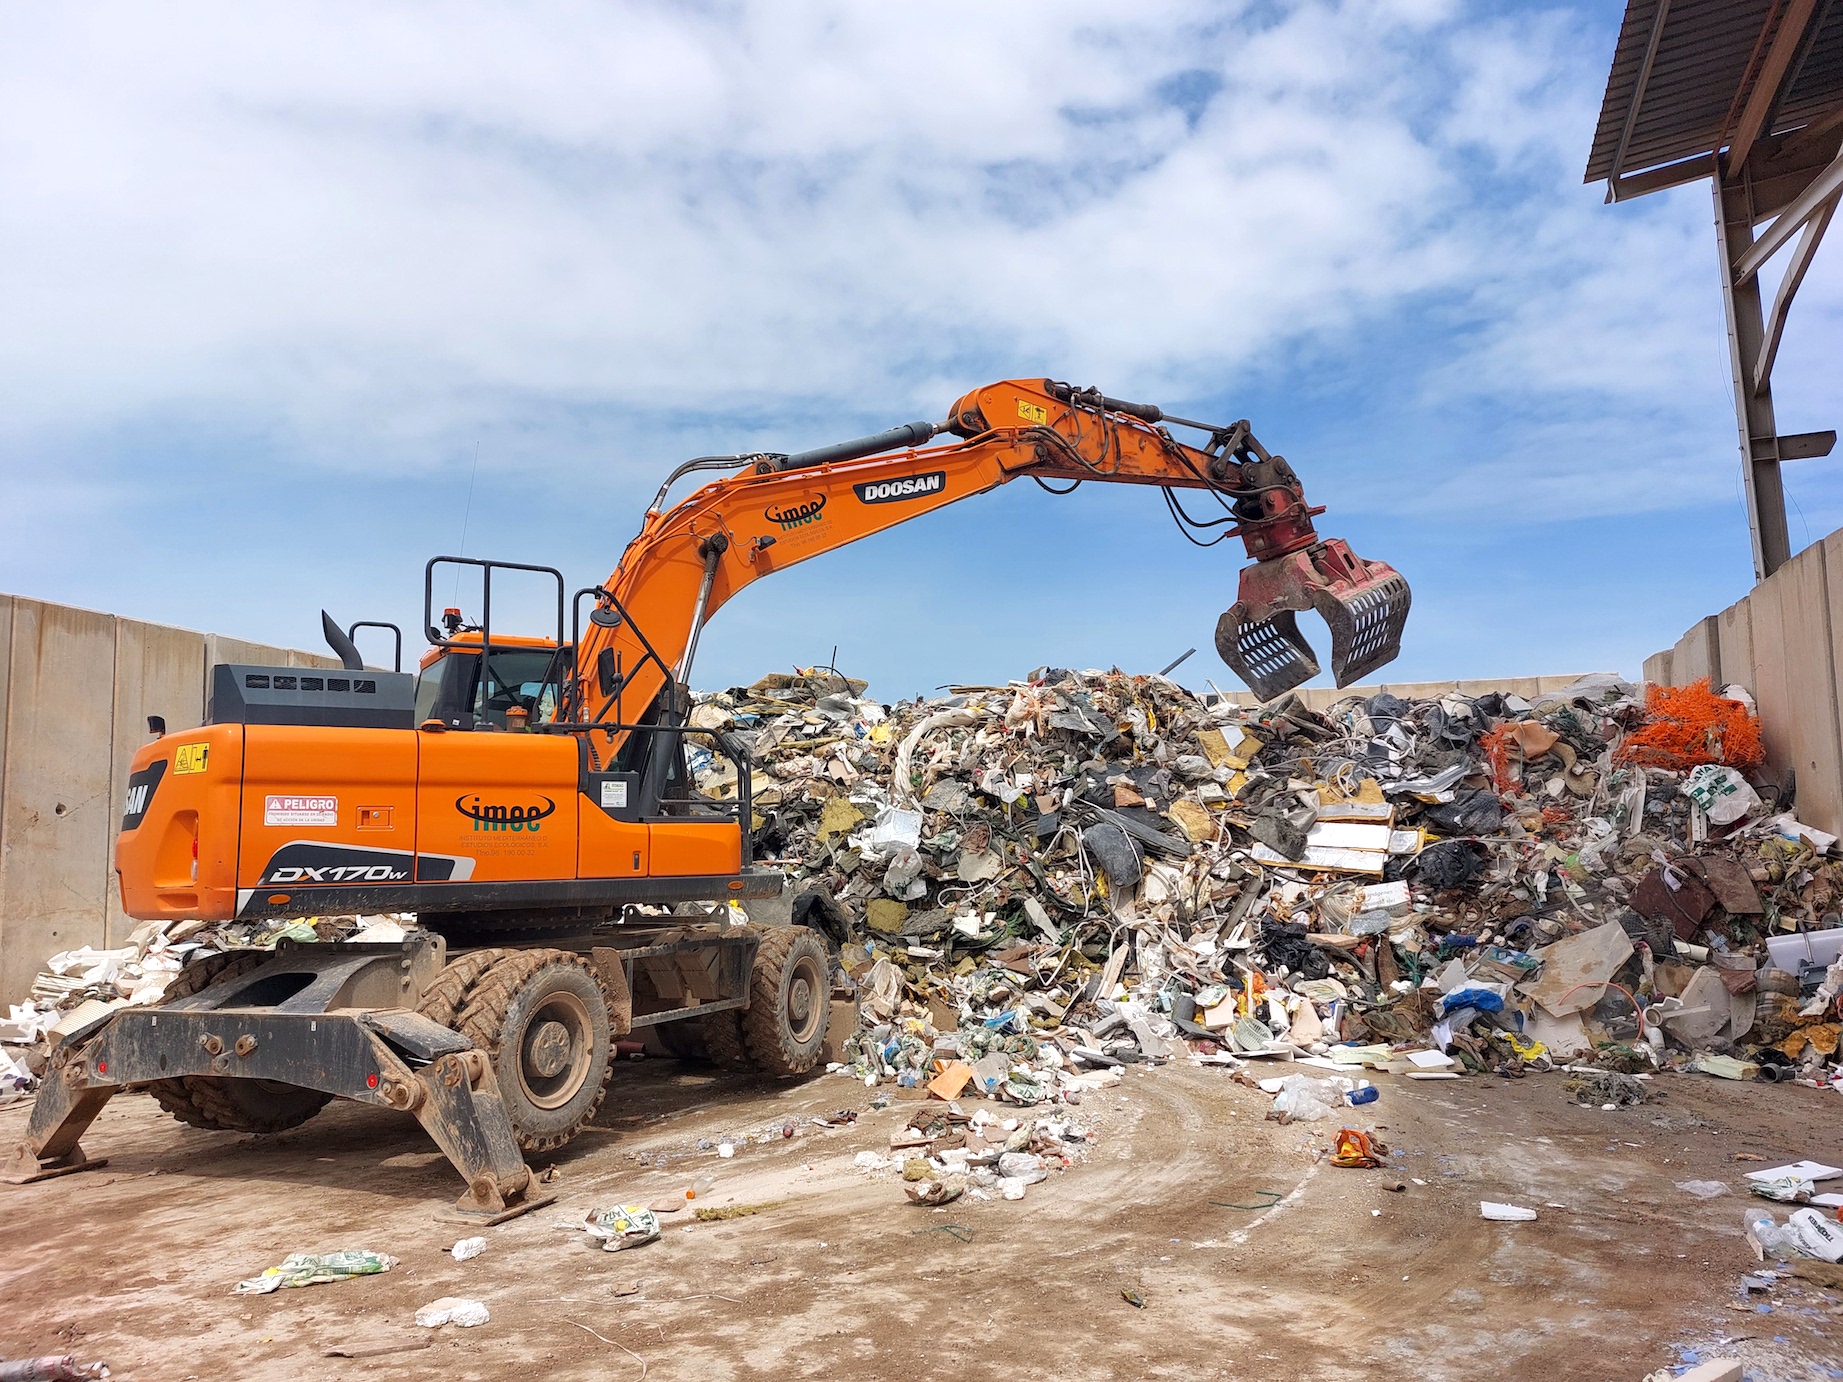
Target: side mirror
156,725
606,677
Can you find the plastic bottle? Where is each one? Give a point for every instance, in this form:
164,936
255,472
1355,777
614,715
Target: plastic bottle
701,1186
1775,1240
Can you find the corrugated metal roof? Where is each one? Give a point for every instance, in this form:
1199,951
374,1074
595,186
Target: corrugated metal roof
1692,76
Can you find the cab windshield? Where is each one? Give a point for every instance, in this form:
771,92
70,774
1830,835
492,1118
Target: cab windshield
515,676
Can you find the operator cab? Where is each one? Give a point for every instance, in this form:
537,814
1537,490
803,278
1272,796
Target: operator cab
522,673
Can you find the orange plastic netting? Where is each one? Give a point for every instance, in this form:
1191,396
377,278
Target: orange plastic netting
1496,744
1689,725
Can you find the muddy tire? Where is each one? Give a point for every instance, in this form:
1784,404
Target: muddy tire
724,1042
225,1105
542,1019
447,997
681,1040
790,991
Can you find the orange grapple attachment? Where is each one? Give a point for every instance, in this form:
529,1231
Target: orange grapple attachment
1364,603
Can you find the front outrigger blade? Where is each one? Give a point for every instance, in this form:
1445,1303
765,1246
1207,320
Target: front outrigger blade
1365,604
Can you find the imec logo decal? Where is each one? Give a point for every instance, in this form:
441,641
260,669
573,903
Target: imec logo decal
797,515
903,487
499,816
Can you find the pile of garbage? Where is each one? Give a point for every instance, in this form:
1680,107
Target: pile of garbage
1037,885
75,987
944,1152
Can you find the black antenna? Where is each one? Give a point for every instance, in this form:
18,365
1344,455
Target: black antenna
467,514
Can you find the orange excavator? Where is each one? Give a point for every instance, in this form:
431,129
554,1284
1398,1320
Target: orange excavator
529,799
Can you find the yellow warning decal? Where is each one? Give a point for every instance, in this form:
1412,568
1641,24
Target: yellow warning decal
190,758
1033,412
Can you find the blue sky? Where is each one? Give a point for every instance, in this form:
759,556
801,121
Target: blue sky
275,277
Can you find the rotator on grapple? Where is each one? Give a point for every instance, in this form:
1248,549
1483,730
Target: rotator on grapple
1364,603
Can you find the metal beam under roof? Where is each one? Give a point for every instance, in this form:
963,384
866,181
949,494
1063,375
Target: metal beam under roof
1749,94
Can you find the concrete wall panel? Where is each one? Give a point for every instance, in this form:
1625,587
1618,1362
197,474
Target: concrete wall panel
158,671
6,662
1698,654
1815,752
76,688
1783,643
221,648
59,818
1771,688
1736,634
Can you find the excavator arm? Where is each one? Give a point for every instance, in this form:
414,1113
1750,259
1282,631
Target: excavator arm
776,510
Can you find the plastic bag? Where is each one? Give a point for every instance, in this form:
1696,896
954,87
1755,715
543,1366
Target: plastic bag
895,829
624,1226
1306,1100
467,1248
1818,1236
1722,793
1768,1236
452,1310
308,1269
1474,812
1022,1166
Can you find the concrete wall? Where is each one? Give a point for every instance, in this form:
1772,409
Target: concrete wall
76,688
1318,698
1780,642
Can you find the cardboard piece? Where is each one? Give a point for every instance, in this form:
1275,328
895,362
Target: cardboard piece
1803,1170
1705,1010
1673,894
951,1080
1576,970
1729,880
1564,1036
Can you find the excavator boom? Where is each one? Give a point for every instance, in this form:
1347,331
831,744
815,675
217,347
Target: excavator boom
688,560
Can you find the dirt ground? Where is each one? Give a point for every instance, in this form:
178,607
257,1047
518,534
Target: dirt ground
841,1277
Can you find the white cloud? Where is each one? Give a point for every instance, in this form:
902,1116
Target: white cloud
248,254
404,223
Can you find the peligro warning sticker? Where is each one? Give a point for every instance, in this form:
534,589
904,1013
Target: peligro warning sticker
278,810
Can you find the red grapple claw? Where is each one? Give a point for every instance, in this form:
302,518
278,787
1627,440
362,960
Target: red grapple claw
1365,604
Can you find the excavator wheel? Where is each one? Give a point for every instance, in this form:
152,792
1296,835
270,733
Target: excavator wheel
448,995
224,1105
715,1038
542,1019
725,1043
790,991
681,1040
